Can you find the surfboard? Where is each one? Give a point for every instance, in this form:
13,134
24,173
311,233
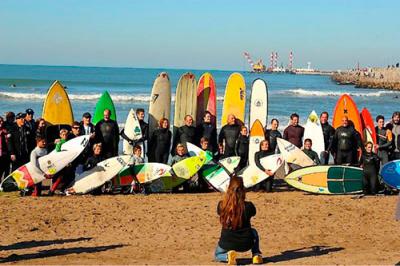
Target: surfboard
368,127
160,101
193,150
252,175
185,100
327,179
144,173
291,154
390,174
188,167
345,106
28,174
234,99
258,103
105,102
256,136
57,109
133,131
206,98
219,178
100,174
313,131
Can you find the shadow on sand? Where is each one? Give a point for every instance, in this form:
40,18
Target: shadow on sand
296,254
57,252
34,244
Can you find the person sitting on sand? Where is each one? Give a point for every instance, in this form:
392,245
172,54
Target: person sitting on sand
309,152
180,154
264,152
237,235
137,155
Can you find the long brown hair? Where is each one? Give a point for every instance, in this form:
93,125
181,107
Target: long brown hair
232,205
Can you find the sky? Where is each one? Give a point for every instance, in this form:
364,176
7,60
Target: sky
199,34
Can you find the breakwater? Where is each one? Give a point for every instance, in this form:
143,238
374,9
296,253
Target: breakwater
382,78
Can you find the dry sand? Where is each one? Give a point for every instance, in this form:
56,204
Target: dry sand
295,228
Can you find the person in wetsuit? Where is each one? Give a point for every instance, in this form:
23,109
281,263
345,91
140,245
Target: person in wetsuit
394,126
370,162
184,134
272,134
328,132
345,143
160,142
237,234
208,130
264,152
383,140
242,148
107,132
144,127
294,132
309,152
228,136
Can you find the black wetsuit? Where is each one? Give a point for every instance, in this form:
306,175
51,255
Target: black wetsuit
345,144
209,131
107,132
396,141
370,163
92,161
159,144
20,144
312,155
266,184
328,132
242,150
385,144
89,129
183,135
294,134
271,136
229,134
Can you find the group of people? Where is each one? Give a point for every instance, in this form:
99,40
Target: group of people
22,139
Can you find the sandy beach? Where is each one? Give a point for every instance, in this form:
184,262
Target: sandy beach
295,228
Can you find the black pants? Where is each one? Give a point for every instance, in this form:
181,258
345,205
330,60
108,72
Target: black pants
344,157
4,166
161,157
371,183
20,161
395,156
265,185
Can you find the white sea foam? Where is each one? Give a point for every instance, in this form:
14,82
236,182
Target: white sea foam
316,93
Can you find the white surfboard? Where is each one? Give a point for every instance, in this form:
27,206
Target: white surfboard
133,131
258,103
49,164
291,154
101,173
220,178
313,131
252,175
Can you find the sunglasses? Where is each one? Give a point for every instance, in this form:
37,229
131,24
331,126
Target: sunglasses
75,128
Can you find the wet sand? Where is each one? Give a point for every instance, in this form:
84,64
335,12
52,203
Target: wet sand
295,228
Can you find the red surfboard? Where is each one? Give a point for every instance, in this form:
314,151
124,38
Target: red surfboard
206,98
367,125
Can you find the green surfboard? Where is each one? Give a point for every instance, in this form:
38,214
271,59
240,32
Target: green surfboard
105,102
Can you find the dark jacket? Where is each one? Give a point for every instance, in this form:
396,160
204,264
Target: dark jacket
261,154
21,142
242,146
107,132
294,134
229,134
209,131
271,136
183,135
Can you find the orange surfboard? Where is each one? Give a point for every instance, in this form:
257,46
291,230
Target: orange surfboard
345,106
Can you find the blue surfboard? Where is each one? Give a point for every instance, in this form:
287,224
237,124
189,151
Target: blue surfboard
390,174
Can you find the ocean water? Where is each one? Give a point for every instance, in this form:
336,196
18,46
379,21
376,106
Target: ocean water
131,88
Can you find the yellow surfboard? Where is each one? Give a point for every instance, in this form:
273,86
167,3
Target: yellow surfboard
57,109
235,99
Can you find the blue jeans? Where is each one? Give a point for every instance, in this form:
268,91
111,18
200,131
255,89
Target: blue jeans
221,254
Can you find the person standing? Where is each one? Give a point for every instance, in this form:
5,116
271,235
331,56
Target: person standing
237,234
87,128
383,140
345,143
36,153
41,127
184,134
370,163
328,132
20,143
29,121
294,132
208,130
394,126
264,152
229,135
107,132
272,134
4,154
242,148
144,127
160,142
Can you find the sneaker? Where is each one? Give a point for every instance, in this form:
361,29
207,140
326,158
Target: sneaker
258,259
232,257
